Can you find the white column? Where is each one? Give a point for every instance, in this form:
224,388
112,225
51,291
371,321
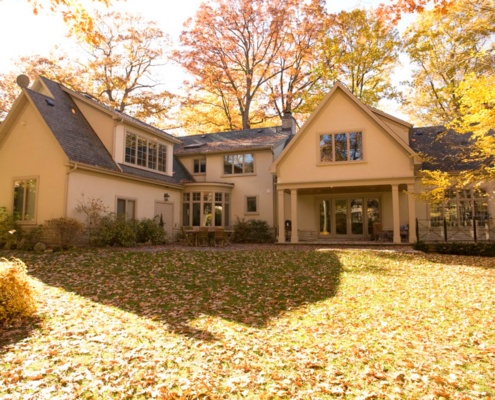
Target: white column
281,216
411,200
294,238
396,213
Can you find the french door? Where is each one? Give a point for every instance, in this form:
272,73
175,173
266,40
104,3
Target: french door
348,217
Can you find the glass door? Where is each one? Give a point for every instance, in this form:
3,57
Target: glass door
347,217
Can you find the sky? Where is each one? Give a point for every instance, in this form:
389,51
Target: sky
26,34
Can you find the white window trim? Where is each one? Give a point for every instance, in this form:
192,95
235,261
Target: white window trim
318,148
26,178
224,175
134,199
148,138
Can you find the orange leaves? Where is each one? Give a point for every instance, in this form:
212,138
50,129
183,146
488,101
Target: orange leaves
270,323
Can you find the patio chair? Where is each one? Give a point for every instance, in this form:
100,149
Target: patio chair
219,237
378,233
189,235
202,236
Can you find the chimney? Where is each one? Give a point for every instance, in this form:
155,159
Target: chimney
288,123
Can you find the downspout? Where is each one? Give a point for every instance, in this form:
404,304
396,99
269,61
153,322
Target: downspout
66,195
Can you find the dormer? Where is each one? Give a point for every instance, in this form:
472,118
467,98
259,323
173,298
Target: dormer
140,149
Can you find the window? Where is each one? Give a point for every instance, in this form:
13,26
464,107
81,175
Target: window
206,209
25,199
460,207
339,147
238,164
200,166
251,205
126,208
145,153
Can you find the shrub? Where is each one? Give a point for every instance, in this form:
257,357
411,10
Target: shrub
16,294
66,230
150,230
421,246
252,231
484,249
116,231
8,227
94,211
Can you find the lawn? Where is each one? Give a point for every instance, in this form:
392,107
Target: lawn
270,323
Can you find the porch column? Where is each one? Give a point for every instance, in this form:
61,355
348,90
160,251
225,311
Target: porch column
294,238
281,215
396,213
411,200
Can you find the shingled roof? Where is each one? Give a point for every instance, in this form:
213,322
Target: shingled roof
445,149
80,142
247,139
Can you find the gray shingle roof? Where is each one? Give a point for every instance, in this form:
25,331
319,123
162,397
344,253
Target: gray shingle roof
445,149
74,133
80,142
247,139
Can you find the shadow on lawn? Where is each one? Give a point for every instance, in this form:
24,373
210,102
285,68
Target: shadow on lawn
13,332
176,287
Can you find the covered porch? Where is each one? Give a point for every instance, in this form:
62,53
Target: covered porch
366,212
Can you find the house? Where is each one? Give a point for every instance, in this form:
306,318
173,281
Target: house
348,170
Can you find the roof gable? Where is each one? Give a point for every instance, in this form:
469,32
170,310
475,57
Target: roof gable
371,113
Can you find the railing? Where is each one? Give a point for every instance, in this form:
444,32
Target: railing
470,230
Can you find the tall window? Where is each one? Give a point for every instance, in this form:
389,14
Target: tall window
25,199
145,153
238,164
339,147
126,209
251,204
206,209
200,166
460,207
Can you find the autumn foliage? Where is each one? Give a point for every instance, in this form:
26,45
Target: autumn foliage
16,294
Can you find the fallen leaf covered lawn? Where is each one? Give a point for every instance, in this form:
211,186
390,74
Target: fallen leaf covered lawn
272,324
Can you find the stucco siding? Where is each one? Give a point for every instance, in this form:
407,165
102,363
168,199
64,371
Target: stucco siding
31,151
109,188
340,114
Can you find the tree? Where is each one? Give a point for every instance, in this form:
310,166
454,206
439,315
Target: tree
445,47
294,67
230,49
117,68
361,51
73,12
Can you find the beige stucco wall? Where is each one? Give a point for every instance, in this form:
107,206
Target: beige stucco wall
340,114
259,184
31,151
109,187
101,123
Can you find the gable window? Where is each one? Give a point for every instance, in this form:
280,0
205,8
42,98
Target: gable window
25,199
145,153
238,164
126,209
200,166
251,205
338,147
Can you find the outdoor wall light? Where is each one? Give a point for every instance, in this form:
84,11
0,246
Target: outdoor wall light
166,196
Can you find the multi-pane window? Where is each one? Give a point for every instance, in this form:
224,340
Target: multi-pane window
460,207
200,166
238,164
206,209
25,199
251,204
145,153
126,209
339,147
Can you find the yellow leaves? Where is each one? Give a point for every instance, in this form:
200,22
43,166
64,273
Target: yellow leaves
17,296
